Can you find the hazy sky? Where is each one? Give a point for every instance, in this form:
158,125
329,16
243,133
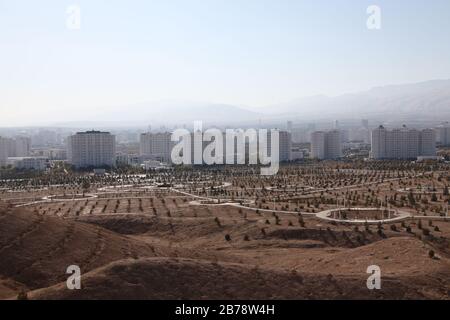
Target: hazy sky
242,52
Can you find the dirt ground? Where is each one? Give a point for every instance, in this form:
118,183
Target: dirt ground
146,256
133,243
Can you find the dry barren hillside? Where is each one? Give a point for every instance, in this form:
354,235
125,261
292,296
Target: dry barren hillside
36,250
170,278
141,256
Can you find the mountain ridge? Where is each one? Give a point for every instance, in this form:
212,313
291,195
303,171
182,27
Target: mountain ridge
427,100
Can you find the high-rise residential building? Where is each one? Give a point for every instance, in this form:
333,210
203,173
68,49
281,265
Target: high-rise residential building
402,143
91,149
443,134
19,146
427,143
379,143
333,147
4,144
156,146
285,144
326,145
300,135
11,147
318,145
284,147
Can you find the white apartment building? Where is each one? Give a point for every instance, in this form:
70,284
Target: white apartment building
428,143
326,145
19,147
156,146
402,143
14,147
443,134
318,145
333,146
3,151
91,149
250,145
378,143
285,144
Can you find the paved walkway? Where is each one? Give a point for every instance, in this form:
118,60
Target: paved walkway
324,215
327,215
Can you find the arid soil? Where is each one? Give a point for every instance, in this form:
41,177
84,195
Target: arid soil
173,250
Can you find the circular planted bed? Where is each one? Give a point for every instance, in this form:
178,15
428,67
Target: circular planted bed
363,215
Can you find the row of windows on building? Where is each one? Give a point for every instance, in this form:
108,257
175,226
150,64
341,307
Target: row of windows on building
95,148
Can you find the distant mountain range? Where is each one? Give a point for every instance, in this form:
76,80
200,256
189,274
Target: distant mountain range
420,101
426,100
175,112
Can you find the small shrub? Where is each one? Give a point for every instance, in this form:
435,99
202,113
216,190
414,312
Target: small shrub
22,295
431,254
